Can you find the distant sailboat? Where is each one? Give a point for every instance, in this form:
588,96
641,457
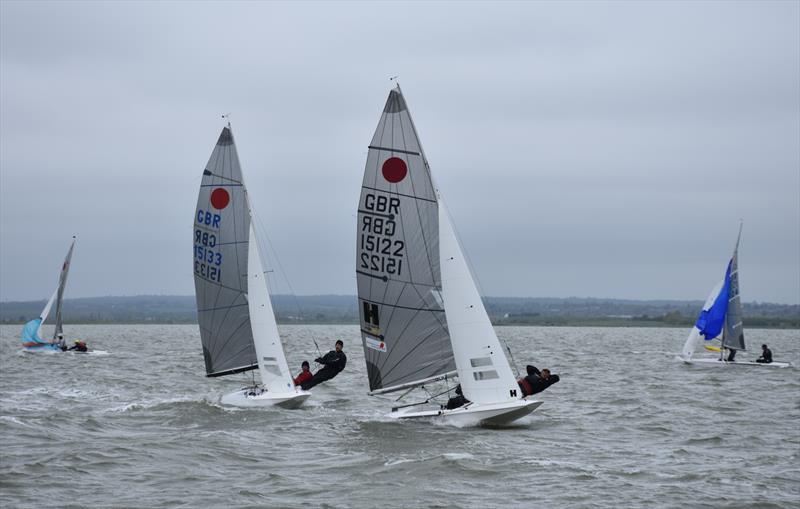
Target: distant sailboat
721,317
234,310
422,319
30,331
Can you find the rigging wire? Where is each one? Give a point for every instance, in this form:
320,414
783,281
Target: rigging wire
274,257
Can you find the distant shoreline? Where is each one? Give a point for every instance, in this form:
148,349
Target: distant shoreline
588,322
343,310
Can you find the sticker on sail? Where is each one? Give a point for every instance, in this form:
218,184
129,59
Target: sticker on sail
220,198
376,344
394,169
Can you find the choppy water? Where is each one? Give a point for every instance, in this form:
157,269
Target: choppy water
628,426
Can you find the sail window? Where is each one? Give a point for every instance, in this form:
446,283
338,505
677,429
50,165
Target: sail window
485,375
480,361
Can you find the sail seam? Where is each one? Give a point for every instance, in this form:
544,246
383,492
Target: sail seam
400,194
401,151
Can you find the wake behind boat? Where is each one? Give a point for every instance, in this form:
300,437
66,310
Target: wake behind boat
423,323
234,310
721,317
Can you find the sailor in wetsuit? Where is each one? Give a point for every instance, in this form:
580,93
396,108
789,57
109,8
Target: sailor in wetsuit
536,381
79,346
456,401
766,355
333,363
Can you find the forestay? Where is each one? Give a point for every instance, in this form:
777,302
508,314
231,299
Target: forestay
221,232
403,323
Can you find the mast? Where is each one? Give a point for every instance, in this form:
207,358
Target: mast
733,331
62,284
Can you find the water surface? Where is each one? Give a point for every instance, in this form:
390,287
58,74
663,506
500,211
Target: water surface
141,426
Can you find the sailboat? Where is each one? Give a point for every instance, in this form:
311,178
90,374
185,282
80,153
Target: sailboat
721,318
30,331
422,319
237,323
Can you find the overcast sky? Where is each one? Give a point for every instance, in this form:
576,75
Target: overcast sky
585,149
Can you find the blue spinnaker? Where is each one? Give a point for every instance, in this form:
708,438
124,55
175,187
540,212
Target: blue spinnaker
711,320
30,332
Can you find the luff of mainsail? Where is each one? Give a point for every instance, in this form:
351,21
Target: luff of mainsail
221,234
403,324
483,370
62,283
733,332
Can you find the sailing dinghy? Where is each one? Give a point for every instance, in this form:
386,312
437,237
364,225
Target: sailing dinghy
721,318
422,319
30,331
237,323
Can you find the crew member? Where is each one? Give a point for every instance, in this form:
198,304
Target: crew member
536,381
456,401
332,362
79,346
305,375
766,355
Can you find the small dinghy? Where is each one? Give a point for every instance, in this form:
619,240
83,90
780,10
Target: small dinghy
237,323
721,318
422,319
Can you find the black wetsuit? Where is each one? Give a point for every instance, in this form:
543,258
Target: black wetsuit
536,383
333,362
766,356
456,401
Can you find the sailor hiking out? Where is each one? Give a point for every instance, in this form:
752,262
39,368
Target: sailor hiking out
332,362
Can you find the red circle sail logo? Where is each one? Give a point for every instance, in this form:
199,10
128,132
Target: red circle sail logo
220,198
394,169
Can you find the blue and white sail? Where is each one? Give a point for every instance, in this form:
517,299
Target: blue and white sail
721,313
30,331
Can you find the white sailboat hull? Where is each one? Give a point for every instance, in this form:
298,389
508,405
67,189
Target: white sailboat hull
716,362
248,397
472,414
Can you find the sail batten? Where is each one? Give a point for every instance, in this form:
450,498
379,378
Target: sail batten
403,324
220,235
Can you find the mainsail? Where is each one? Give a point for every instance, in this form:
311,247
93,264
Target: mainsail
62,283
403,324
733,332
221,233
